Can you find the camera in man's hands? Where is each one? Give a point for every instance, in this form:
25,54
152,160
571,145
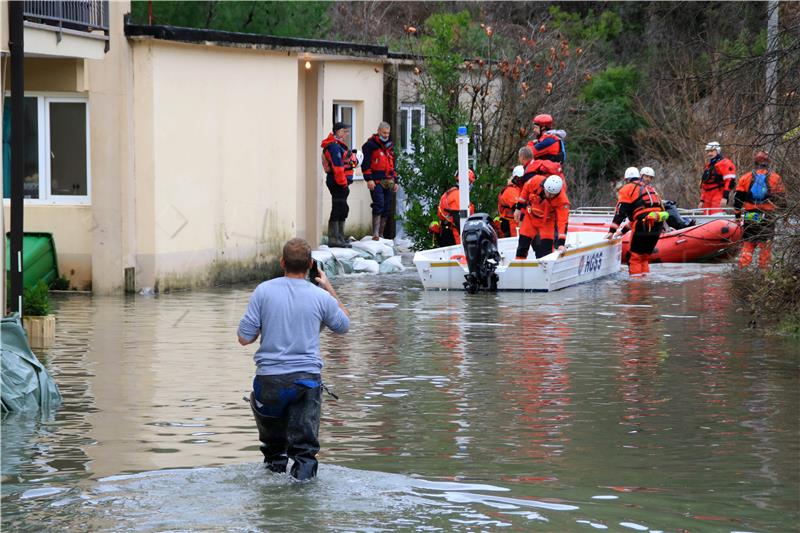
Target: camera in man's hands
313,272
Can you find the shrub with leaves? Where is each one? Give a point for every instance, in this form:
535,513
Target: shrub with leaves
36,300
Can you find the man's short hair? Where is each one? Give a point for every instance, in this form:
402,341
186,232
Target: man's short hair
526,152
296,256
384,124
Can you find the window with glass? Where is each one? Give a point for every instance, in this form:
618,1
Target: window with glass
346,112
412,120
56,167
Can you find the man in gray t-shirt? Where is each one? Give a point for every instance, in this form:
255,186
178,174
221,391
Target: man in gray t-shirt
289,313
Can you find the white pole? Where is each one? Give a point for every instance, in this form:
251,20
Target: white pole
462,140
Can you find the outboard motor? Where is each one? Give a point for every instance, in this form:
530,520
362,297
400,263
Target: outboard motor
479,240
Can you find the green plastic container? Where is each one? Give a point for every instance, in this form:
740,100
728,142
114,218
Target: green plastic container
39,261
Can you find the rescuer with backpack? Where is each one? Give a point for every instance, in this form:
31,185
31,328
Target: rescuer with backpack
758,195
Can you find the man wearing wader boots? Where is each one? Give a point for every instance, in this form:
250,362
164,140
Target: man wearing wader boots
759,193
718,179
674,220
338,161
289,313
640,203
381,177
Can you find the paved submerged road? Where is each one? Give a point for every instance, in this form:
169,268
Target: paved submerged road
621,405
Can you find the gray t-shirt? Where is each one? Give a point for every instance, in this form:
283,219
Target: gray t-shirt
289,313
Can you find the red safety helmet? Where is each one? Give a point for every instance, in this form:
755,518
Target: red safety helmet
761,157
544,120
471,176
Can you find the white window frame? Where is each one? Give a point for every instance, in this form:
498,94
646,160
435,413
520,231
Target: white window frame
353,127
43,101
408,110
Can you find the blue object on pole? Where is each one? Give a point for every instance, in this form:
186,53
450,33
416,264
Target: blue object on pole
462,130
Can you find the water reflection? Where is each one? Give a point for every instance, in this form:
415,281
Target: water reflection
624,405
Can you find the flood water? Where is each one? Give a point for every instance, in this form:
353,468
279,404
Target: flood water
625,405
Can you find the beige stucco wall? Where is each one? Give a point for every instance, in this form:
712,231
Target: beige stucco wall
71,227
362,83
216,164
110,103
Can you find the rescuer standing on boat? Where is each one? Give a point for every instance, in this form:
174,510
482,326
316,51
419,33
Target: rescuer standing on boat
289,313
507,201
758,195
542,214
448,228
718,179
547,143
640,203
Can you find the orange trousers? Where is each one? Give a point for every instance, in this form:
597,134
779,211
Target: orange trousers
746,255
638,264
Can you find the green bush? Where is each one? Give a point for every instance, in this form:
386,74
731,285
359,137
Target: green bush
604,136
36,300
61,283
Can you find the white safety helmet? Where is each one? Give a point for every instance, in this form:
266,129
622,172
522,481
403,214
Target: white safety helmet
553,184
647,171
713,145
518,171
632,173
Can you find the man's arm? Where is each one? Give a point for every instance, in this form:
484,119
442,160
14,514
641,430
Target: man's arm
250,325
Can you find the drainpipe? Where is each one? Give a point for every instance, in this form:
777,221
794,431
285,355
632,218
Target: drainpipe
15,43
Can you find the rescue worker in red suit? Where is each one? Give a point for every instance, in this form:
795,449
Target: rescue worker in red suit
719,178
448,230
534,167
542,215
381,177
338,161
547,143
639,202
758,195
507,201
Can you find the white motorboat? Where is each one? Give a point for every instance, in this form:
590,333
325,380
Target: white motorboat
588,256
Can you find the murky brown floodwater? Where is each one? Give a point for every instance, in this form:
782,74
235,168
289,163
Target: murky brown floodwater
622,405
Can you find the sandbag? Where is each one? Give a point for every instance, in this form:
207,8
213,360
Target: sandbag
26,384
365,265
373,250
392,265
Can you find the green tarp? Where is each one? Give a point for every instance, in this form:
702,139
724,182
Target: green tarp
26,384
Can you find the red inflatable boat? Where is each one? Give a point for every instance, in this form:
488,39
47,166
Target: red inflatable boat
715,239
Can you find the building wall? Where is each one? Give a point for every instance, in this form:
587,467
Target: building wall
359,82
88,237
110,103
219,181
71,225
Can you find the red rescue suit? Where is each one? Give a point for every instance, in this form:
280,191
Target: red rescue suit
759,219
541,167
548,147
544,220
506,203
719,177
640,203
449,219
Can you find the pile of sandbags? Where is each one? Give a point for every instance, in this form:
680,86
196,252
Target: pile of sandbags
366,256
